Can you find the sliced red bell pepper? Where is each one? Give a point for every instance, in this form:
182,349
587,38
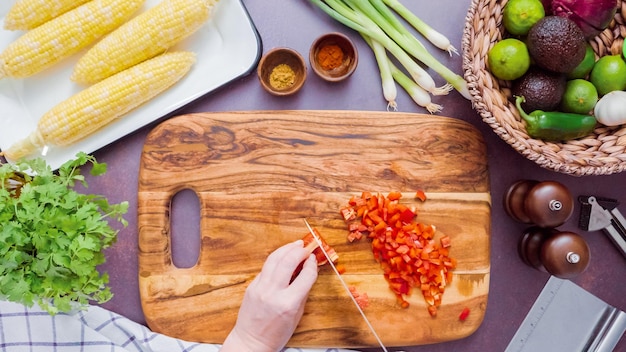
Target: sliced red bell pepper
311,244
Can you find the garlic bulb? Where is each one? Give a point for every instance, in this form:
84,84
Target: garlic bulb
610,110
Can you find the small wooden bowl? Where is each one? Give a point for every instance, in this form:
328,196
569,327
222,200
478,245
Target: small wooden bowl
348,63
278,56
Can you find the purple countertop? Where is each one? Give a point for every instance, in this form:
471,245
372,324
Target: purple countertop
513,285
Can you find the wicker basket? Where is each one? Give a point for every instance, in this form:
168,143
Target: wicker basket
602,153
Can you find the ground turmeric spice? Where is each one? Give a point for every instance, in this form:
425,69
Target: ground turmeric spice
330,56
282,77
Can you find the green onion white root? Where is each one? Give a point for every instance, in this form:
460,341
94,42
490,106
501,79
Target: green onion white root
384,66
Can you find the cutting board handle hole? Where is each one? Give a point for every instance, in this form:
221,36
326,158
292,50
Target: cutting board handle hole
185,229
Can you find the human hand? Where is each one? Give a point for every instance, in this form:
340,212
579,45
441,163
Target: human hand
272,306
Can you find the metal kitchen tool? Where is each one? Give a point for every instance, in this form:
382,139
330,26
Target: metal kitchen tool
598,213
565,317
343,283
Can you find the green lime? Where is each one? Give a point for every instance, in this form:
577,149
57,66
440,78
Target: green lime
580,96
508,59
519,15
583,68
609,74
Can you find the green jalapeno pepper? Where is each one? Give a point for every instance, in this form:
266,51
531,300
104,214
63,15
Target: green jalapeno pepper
555,125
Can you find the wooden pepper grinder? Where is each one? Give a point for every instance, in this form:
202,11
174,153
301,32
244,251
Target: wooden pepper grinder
545,204
562,254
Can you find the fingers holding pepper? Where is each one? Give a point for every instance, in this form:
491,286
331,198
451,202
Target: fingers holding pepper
273,304
281,264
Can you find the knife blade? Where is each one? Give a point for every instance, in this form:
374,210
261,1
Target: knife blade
343,283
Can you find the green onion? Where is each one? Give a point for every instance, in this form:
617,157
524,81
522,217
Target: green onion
385,29
420,75
438,39
408,43
363,24
417,93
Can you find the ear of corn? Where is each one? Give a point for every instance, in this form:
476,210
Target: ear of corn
141,38
63,36
28,14
96,106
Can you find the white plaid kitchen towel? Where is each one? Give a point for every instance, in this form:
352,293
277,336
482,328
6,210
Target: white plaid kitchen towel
96,329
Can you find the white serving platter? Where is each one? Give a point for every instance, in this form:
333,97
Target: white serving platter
227,46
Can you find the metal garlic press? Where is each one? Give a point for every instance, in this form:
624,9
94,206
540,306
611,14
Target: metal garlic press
599,213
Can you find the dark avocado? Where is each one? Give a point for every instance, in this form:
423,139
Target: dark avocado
556,43
542,89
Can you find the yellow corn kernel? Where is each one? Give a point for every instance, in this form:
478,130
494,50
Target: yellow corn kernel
96,106
28,14
149,34
63,36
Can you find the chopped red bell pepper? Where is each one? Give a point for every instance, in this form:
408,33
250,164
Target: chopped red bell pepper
432,310
445,241
361,298
407,215
405,249
341,269
348,214
394,195
464,314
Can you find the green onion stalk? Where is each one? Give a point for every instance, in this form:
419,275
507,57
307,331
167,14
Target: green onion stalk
420,76
436,38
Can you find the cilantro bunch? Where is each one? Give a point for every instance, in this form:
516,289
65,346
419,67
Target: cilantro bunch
52,237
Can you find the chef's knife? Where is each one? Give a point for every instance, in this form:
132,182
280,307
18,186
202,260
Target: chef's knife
343,283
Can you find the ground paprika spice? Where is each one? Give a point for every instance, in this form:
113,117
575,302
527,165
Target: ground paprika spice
330,56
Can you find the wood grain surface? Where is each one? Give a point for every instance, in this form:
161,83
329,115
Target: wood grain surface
257,174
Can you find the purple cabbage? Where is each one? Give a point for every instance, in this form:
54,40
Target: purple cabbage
592,16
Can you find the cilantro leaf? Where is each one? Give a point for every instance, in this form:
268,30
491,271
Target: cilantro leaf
53,235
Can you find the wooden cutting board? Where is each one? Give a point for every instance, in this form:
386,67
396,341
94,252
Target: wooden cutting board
258,174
